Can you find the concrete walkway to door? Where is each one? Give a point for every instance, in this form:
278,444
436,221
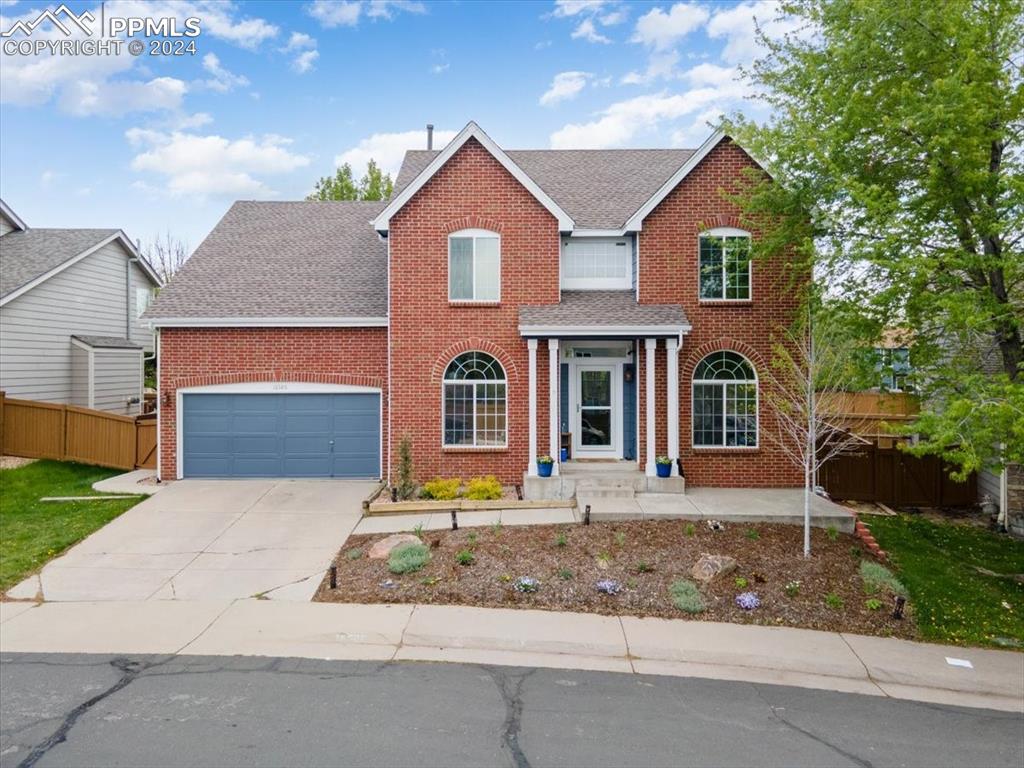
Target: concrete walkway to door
210,540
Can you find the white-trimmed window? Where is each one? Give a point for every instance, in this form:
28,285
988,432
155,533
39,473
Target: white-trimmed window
475,402
474,265
724,402
724,272
143,298
597,263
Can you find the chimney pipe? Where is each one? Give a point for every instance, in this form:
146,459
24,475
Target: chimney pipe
430,136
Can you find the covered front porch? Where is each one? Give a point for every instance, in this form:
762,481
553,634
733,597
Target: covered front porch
606,422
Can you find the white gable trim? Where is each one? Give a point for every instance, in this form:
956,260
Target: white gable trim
14,218
635,222
472,131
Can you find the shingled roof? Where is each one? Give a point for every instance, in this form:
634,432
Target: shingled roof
31,253
303,259
599,188
602,309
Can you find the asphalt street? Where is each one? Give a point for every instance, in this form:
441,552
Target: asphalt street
74,710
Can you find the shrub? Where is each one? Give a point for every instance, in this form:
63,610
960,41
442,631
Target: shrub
442,490
405,485
834,601
408,558
565,574
691,529
873,603
561,540
793,588
686,597
353,554
748,601
741,583
876,576
526,584
484,488
856,552
464,557
832,532
752,534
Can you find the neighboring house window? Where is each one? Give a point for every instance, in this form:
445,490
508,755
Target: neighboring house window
474,266
597,264
143,298
725,264
724,402
894,367
474,401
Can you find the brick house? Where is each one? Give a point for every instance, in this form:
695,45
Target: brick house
500,306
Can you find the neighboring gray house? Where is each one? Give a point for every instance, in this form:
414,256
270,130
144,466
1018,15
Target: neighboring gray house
70,303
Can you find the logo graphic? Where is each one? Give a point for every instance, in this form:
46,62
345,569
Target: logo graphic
54,17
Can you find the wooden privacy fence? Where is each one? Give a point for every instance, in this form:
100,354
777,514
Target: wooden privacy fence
891,476
68,433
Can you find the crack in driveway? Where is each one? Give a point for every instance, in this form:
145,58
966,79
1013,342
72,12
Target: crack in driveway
510,686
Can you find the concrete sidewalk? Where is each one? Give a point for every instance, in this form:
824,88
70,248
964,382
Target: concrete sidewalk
776,655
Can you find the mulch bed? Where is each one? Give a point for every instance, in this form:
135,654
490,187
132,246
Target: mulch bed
768,562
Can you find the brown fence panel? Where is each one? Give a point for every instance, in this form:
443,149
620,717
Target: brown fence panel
917,480
32,429
95,437
145,442
851,476
955,494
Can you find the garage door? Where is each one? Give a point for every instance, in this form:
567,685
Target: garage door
281,435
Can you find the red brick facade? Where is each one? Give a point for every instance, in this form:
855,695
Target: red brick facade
473,191
193,357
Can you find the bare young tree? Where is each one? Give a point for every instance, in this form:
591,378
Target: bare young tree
809,375
166,254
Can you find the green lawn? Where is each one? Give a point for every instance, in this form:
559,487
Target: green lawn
33,531
952,600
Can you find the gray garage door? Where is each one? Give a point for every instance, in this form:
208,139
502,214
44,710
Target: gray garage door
281,435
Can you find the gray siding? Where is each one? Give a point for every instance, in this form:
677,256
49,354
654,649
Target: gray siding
5,225
117,378
988,483
79,376
87,298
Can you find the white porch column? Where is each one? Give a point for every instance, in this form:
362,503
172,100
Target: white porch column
672,389
553,392
650,345
531,345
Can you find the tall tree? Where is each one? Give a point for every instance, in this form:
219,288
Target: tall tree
375,185
896,150
166,254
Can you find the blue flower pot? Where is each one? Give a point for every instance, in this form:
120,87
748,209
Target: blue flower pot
565,455
664,470
544,470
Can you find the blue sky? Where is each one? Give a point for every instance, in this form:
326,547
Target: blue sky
278,92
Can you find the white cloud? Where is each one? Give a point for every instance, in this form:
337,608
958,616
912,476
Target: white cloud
304,48
191,164
660,66
219,18
346,13
47,177
587,31
299,41
388,149
565,86
304,61
662,30
197,120
119,97
439,69
613,18
564,8
222,80
738,25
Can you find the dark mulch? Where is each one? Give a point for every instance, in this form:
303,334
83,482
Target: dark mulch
768,562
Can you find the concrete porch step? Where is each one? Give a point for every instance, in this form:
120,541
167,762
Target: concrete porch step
605,491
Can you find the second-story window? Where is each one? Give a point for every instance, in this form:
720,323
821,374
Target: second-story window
474,266
725,264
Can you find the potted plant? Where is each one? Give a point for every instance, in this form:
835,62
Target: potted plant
544,464
663,465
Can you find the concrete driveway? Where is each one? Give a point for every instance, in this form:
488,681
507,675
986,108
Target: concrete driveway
210,540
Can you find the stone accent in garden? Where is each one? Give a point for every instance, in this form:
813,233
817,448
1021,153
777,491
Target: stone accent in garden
381,549
710,566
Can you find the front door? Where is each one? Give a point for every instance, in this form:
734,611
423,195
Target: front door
596,428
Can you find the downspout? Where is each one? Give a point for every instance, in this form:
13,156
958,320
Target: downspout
128,297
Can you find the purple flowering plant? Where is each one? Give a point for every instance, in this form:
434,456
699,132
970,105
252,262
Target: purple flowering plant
609,586
748,601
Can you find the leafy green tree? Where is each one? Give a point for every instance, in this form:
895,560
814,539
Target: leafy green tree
375,185
895,145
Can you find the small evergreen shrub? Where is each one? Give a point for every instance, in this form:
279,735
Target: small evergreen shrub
793,588
686,597
873,603
741,583
561,540
408,558
483,489
405,485
834,601
620,538
353,554
832,532
644,567
442,489
691,529
464,557
752,534
876,576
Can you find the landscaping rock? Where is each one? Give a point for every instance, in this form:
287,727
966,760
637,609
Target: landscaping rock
381,549
710,566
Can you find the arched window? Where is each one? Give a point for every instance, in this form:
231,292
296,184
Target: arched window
724,401
725,264
474,401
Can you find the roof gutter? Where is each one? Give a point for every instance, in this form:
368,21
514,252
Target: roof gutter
267,322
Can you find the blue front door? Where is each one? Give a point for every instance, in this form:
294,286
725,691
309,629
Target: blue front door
281,435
